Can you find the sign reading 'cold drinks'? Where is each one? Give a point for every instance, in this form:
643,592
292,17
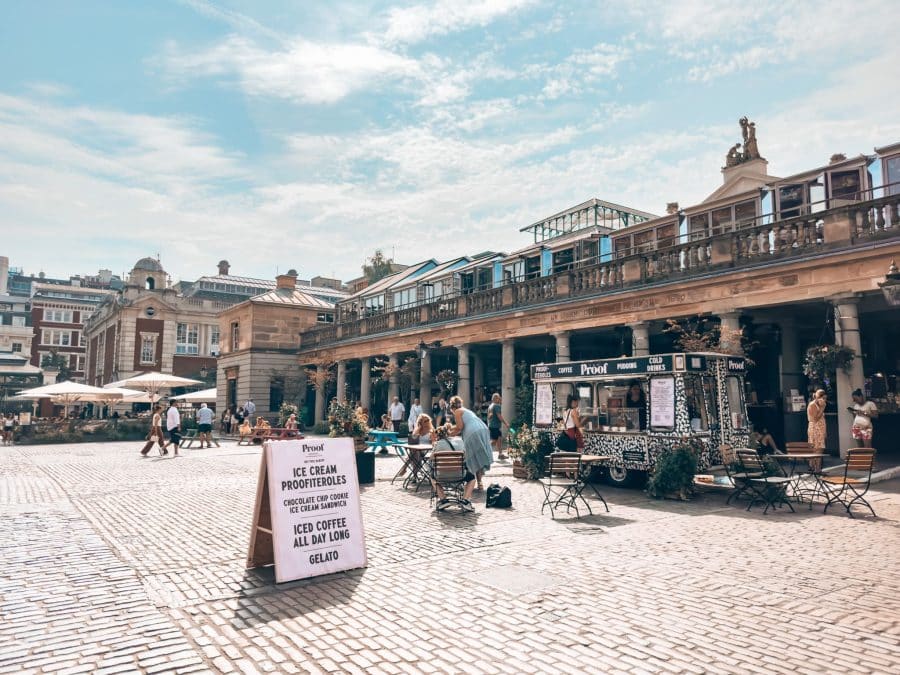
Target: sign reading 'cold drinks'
314,500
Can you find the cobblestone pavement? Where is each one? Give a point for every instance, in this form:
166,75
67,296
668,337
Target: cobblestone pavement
111,563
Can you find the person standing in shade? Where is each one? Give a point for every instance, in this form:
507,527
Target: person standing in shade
397,411
250,409
496,424
414,411
815,431
204,425
863,413
173,426
156,433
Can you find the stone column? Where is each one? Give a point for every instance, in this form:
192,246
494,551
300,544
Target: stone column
508,380
563,353
342,381
730,320
640,338
846,333
464,385
365,383
320,401
394,381
425,382
478,376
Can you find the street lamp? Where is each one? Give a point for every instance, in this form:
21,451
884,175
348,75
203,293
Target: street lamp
891,286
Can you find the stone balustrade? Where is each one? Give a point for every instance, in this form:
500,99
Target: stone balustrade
845,225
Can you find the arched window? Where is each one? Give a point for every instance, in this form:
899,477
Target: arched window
150,284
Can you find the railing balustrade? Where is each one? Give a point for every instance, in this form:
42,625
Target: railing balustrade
744,243
484,302
534,291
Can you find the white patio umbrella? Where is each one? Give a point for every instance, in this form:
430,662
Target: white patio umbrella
64,393
152,383
202,396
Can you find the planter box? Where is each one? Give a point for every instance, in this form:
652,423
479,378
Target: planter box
519,470
365,467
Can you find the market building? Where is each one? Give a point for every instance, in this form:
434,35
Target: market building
258,358
792,262
148,326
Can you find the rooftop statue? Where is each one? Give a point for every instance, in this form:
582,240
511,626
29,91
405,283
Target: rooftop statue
748,130
751,150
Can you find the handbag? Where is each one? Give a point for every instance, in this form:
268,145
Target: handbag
565,442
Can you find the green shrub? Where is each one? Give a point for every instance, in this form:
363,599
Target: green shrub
321,428
674,473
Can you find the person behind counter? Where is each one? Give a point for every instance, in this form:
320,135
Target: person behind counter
637,399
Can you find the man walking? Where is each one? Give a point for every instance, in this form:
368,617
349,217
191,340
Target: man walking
397,410
204,425
495,425
173,425
250,410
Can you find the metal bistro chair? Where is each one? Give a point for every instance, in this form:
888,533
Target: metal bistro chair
770,490
561,483
448,469
851,488
740,480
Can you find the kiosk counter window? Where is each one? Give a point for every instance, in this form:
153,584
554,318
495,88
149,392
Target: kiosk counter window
734,395
699,400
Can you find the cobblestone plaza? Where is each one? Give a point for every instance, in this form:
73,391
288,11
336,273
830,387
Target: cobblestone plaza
112,563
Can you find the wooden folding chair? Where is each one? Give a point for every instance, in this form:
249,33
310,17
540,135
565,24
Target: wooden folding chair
448,469
851,488
562,484
770,490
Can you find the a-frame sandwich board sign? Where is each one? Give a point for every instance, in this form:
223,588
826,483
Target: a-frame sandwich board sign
307,519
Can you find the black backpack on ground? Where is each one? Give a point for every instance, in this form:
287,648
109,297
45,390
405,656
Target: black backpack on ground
498,497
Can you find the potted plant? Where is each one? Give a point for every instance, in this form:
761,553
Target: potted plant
343,421
822,361
447,380
673,476
528,448
285,411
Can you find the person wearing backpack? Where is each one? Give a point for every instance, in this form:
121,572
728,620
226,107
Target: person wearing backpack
495,425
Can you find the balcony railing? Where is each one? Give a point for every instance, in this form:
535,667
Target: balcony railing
741,246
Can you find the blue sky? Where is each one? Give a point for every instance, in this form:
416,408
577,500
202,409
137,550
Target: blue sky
282,134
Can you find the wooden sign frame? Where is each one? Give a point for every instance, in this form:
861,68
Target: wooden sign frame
331,511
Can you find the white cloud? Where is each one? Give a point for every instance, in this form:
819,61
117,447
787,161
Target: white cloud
302,71
580,70
416,23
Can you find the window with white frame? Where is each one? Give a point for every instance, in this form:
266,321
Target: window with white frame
18,321
325,317
148,348
374,305
16,347
79,363
187,338
61,338
58,315
404,298
214,339
82,342
434,290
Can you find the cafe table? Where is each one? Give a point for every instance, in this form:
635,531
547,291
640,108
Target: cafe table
415,462
798,490
588,462
382,439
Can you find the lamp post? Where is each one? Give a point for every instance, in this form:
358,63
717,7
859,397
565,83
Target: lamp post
890,287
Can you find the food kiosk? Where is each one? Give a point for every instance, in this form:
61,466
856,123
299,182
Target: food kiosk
633,408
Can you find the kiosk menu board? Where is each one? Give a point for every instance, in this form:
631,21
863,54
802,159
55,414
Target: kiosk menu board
307,519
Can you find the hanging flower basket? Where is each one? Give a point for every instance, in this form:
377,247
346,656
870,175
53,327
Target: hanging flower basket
823,360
